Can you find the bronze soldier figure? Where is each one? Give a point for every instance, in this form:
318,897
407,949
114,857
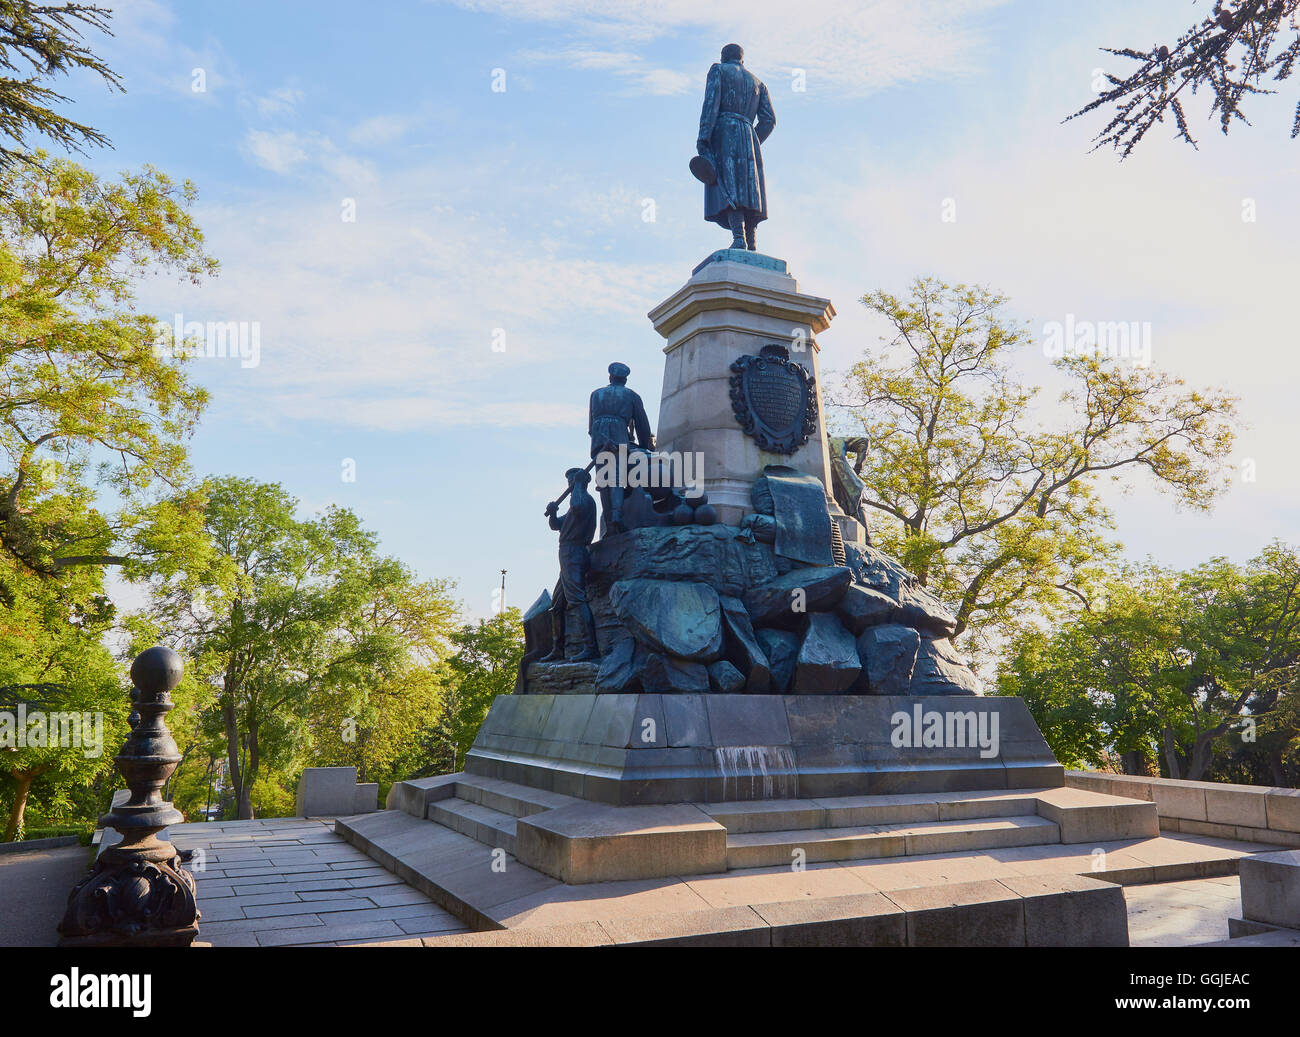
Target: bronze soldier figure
846,479
616,418
576,529
729,142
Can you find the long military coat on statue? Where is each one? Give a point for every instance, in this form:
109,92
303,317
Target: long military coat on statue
733,99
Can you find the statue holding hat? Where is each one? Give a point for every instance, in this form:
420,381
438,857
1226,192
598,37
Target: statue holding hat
616,422
736,119
576,528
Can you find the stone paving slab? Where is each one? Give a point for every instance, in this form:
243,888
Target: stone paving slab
279,883
212,932
868,919
265,867
422,927
375,881
327,934
770,885
1178,914
254,886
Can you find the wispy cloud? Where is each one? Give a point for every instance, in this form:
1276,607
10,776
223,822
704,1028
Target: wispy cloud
152,58
279,152
287,152
854,48
638,74
420,314
281,101
381,129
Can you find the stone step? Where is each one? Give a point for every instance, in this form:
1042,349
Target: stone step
1276,938
774,815
764,849
456,871
488,826
1082,816
509,797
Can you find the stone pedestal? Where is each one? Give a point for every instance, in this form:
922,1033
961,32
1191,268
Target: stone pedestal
735,303
660,748
334,792
1270,888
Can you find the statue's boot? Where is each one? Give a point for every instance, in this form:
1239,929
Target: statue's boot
751,225
736,219
590,653
614,520
557,638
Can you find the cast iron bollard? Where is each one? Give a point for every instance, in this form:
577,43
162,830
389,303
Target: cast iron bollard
138,893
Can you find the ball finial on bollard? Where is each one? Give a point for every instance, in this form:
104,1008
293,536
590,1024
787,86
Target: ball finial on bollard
157,670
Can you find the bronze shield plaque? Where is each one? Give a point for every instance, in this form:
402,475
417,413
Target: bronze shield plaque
774,399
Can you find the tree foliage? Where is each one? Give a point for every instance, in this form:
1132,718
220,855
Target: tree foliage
1198,671
485,665
89,407
1232,54
52,663
303,634
88,400
996,512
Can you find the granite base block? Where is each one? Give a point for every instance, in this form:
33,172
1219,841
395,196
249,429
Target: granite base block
650,749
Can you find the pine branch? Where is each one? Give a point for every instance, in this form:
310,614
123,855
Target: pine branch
1230,53
40,42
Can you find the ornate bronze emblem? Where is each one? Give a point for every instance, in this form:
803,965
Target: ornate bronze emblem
774,399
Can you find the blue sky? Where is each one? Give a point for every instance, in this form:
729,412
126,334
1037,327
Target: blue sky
524,210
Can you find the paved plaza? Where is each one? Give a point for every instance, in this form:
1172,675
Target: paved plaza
292,882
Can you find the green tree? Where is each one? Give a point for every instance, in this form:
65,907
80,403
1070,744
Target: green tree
54,666
996,512
383,674
39,42
92,394
1105,684
1190,669
298,628
485,665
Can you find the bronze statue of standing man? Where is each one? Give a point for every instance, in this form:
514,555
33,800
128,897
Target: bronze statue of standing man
730,159
616,420
576,528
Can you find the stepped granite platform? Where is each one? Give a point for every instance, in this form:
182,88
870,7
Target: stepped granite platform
323,892
290,882
500,855
489,888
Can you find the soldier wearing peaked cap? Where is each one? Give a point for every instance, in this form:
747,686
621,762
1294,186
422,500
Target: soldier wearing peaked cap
616,418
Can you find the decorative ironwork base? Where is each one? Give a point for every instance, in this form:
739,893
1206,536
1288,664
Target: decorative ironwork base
142,898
